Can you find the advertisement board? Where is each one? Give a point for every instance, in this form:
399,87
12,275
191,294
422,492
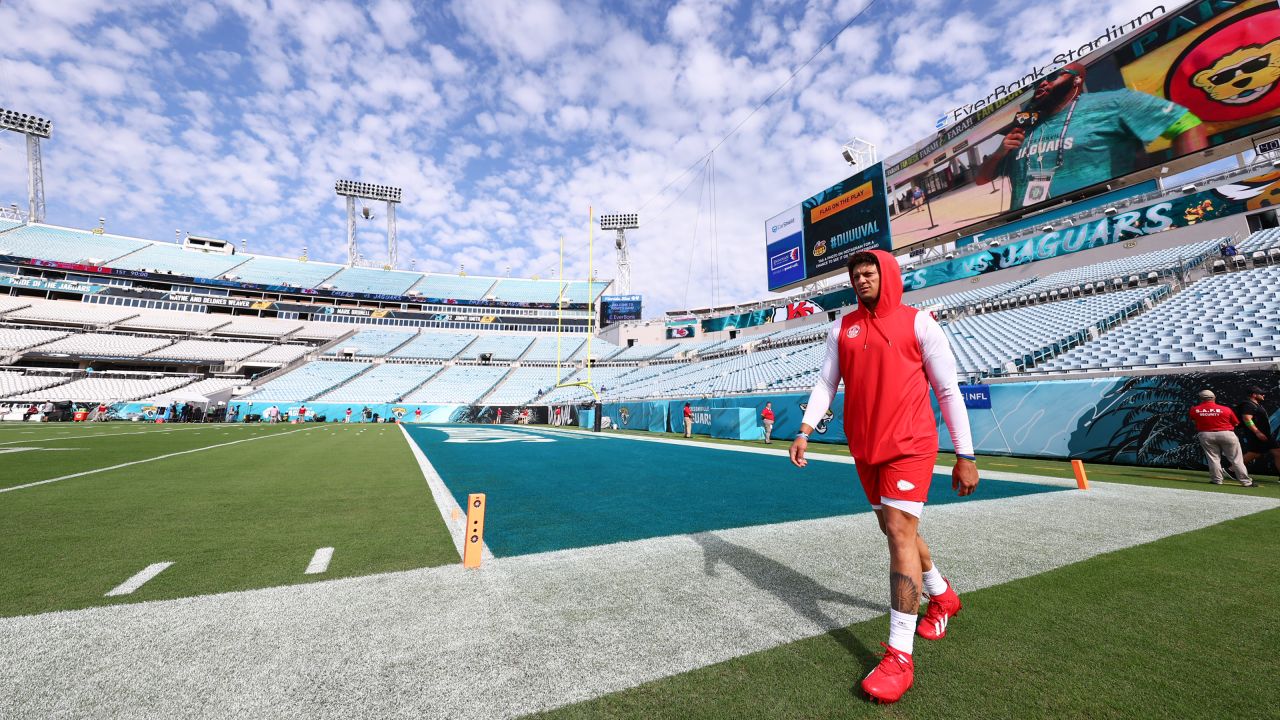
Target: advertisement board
619,308
681,329
1201,76
817,237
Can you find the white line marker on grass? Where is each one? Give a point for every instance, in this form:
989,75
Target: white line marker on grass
320,561
444,499
139,580
147,460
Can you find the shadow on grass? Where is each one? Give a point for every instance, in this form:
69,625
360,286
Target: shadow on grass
800,591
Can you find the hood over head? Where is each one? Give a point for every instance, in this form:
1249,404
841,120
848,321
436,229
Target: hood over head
890,283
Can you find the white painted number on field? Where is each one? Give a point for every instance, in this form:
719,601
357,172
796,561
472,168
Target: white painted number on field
488,435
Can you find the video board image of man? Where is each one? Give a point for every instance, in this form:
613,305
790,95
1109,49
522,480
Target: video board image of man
1066,138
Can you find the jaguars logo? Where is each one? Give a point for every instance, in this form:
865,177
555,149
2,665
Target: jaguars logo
1257,192
1196,213
823,422
624,415
820,248
399,412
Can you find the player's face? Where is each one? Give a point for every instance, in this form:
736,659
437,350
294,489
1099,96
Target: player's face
866,282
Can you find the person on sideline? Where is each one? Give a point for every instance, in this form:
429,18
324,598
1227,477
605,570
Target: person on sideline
1215,427
1255,424
766,419
688,420
889,354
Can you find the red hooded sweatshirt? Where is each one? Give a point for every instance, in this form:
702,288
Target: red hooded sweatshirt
887,413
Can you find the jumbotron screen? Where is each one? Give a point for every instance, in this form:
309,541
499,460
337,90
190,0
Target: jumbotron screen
619,308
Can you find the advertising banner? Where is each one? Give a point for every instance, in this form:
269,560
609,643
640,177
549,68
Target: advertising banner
35,283
619,308
976,397
1194,79
681,329
817,237
1252,193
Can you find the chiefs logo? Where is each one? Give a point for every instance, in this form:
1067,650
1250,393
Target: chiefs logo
1231,72
802,309
853,331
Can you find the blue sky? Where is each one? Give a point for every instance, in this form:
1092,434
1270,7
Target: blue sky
503,120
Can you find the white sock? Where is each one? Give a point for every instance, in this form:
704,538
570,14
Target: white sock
934,584
902,631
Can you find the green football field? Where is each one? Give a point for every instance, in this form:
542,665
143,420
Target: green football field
1175,627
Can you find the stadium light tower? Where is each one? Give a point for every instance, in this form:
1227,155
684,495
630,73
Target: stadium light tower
352,189
622,222
34,128
859,153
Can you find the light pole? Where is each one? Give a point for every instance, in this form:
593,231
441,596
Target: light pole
352,189
33,128
622,222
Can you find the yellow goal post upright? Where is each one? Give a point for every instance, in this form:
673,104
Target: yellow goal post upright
591,313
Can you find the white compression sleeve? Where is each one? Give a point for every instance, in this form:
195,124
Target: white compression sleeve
940,366
824,390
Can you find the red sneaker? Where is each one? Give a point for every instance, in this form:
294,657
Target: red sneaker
891,678
933,626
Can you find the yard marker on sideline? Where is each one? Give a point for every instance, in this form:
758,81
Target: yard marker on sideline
137,581
473,544
440,494
1082,479
320,561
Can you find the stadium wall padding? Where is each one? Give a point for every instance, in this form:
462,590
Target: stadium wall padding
735,424
1132,420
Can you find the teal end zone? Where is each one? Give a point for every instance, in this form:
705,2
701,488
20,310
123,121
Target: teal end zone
554,490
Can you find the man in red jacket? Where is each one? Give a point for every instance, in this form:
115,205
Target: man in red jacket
1215,428
888,355
766,417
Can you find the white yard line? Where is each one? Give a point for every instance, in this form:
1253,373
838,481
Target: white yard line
320,561
146,460
444,499
137,581
91,435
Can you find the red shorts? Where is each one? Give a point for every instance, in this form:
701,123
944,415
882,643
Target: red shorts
905,478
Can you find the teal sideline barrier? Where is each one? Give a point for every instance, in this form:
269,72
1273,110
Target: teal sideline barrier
336,412
735,423
646,416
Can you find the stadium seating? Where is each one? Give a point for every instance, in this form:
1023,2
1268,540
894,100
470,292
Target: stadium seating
16,383
1223,318
428,345
600,377
249,326
72,313
105,388
279,271
458,384
174,259
372,281
501,347
456,287
374,342
323,331
104,345
9,303
307,382
581,291
986,344
970,297
598,348
549,349
63,244
1190,255
279,355
208,350
643,352
14,339
208,387
174,320
522,385
384,383
520,290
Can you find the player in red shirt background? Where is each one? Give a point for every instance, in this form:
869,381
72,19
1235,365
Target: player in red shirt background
1215,426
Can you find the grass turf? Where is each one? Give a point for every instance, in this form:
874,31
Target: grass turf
1175,628
232,518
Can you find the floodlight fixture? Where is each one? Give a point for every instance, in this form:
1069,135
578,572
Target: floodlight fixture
25,124
352,189
34,128
859,153
621,222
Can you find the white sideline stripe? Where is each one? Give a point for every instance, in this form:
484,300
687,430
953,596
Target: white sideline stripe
139,580
320,561
92,435
444,499
146,460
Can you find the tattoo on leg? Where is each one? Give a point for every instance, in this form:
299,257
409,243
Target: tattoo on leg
904,596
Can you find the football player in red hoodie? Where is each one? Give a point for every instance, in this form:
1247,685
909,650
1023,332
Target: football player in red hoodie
888,355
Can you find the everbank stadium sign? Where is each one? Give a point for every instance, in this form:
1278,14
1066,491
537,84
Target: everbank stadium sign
1038,72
